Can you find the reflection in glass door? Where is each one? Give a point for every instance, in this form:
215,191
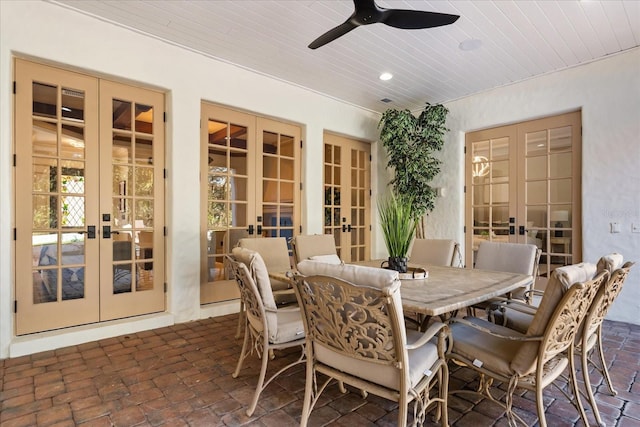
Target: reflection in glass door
347,196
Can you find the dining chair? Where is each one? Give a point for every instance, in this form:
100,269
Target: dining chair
515,315
267,327
355,334
590,341
434,252
275,254
517,258
535,359
316,247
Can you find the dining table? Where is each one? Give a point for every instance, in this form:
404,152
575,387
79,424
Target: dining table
446,290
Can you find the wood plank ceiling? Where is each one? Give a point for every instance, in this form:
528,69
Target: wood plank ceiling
519,40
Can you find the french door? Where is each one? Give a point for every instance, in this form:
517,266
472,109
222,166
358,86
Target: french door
523,186
250,188
89,156
347,196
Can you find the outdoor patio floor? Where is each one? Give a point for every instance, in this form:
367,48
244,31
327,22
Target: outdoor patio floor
181,375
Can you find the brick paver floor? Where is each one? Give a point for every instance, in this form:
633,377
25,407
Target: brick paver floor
181,376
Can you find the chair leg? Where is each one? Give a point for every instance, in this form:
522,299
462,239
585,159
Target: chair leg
259,386
308,389
587,384
443,378
243,352
241,319
403,409
603,363
542,419
574,386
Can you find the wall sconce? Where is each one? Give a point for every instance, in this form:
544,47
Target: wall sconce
559,217
480,166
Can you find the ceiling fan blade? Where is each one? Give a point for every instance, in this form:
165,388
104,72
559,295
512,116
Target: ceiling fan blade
332,34
416,19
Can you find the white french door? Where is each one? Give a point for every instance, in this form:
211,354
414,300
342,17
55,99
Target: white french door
347,196
71,198
250,187
523,186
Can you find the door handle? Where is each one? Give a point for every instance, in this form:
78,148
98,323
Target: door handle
250,230
521,230
106,232
346,227
91,232
259,230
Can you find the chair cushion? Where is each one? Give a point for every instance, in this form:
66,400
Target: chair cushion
307,246
432,252
327,259
258,271
420,359
290,326
495,353
560,281
516,319
507,257
357,274
273,250
610,262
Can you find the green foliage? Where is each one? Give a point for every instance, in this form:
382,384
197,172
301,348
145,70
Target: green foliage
398,223
411,143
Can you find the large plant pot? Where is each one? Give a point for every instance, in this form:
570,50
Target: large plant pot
397,263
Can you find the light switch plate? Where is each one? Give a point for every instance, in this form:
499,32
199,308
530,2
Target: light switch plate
635,228
615,227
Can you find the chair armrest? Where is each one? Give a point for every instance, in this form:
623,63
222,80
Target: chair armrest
517,305
529,294
506,335
431,332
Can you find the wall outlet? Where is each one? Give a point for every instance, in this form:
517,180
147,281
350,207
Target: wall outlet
635,228
615,227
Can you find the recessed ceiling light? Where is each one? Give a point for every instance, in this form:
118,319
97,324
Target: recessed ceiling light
470,44
386,76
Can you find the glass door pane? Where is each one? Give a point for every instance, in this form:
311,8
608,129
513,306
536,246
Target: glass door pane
347,196
332,193
131,213
551,198
227,195
360,201
279,172
491,185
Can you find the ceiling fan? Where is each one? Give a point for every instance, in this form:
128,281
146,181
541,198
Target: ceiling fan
367,12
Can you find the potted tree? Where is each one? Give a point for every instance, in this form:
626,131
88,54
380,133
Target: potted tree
412,142
398,228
